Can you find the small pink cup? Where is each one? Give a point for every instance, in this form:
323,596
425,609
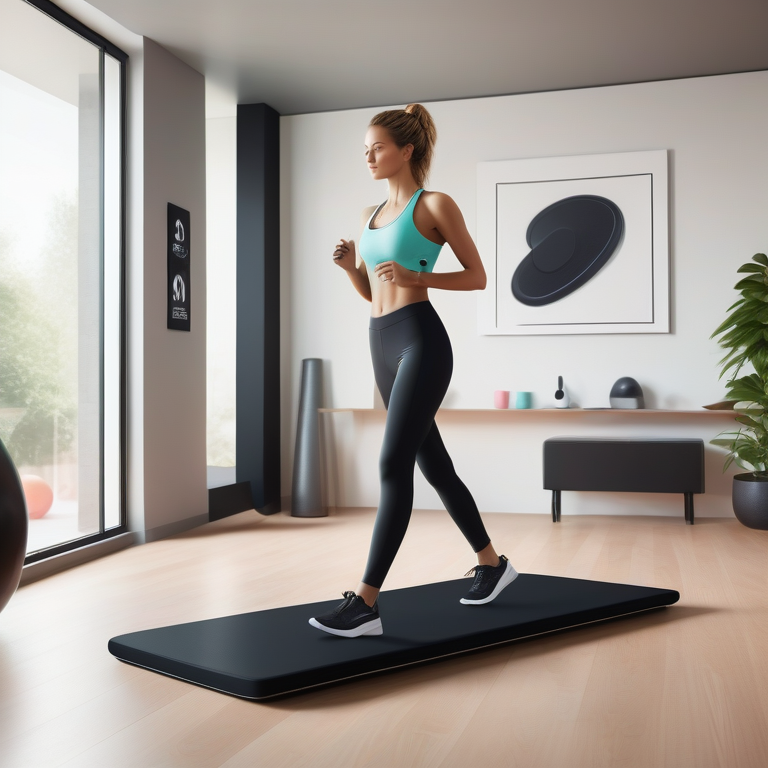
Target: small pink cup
501,398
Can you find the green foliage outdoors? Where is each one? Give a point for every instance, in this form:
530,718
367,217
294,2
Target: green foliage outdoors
38,345
744,334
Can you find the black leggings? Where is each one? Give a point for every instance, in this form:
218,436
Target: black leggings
412,363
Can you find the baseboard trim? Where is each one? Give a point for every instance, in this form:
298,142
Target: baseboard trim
171,529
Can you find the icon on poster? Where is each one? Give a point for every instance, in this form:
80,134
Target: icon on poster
179,292
179,231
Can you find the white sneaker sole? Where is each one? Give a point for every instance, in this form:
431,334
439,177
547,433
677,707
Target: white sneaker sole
506,579
369,628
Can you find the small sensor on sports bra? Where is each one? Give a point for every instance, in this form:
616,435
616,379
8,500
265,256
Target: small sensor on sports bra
423,262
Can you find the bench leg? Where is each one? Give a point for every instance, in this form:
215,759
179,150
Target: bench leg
555,506
688,508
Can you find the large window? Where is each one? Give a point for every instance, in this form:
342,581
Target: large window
61,273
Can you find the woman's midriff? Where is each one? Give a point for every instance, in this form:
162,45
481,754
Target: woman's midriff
386,298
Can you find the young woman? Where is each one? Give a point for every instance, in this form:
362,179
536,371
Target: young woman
412,358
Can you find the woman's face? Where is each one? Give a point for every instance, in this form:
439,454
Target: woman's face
385,159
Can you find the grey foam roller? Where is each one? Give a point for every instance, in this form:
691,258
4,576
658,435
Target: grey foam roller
306,494
13,527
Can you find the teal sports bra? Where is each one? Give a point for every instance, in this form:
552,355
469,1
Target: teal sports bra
399,241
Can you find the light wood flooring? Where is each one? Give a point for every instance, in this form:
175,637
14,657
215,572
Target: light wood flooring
685,686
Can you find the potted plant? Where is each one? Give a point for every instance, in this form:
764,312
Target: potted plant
744,334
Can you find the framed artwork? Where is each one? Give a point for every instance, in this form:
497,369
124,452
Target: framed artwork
574,245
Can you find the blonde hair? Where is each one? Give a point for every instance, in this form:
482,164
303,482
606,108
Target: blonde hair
412,125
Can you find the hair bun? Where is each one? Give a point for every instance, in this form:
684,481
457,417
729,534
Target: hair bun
418,111
421,113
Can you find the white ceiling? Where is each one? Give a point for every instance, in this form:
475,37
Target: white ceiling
317,55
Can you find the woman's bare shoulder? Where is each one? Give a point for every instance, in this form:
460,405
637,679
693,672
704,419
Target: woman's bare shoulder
439,204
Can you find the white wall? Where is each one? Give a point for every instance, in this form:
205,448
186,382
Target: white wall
715,130
174,461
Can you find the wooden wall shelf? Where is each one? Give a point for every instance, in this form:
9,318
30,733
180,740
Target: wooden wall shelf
566,412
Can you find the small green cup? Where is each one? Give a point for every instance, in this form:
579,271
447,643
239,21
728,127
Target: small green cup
523,400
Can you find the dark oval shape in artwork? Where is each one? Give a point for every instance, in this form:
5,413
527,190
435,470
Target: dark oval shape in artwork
554,251
570,241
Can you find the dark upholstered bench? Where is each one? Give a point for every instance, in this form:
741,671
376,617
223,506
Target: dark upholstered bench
663,465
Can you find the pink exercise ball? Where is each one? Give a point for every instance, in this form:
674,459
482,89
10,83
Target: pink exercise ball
38,494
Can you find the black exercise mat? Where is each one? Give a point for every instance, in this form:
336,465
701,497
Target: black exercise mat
268,653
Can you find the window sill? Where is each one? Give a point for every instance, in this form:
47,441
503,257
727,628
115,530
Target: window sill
57,563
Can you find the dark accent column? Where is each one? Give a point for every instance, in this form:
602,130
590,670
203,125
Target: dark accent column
258,304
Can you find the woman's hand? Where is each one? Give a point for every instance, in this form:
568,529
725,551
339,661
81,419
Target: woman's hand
392,272
345,256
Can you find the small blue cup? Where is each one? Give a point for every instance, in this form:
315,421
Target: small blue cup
523,399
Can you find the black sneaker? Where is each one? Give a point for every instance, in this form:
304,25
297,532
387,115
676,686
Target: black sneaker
489,581
351,618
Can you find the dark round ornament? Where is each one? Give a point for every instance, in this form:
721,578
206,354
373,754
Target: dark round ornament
626,386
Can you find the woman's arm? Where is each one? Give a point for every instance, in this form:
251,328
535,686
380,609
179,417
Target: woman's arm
345,256
441,217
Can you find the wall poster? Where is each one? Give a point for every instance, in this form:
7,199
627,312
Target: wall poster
178,268
574,245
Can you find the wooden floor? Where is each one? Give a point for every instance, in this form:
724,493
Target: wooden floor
685,686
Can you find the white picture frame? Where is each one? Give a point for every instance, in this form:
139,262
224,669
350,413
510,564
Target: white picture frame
629,294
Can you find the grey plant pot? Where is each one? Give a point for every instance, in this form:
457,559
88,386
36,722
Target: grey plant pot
13,527
750,500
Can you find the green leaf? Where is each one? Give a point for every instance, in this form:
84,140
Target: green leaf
748,283
751,268
754,412
745,391
741,336
761,258
739,463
